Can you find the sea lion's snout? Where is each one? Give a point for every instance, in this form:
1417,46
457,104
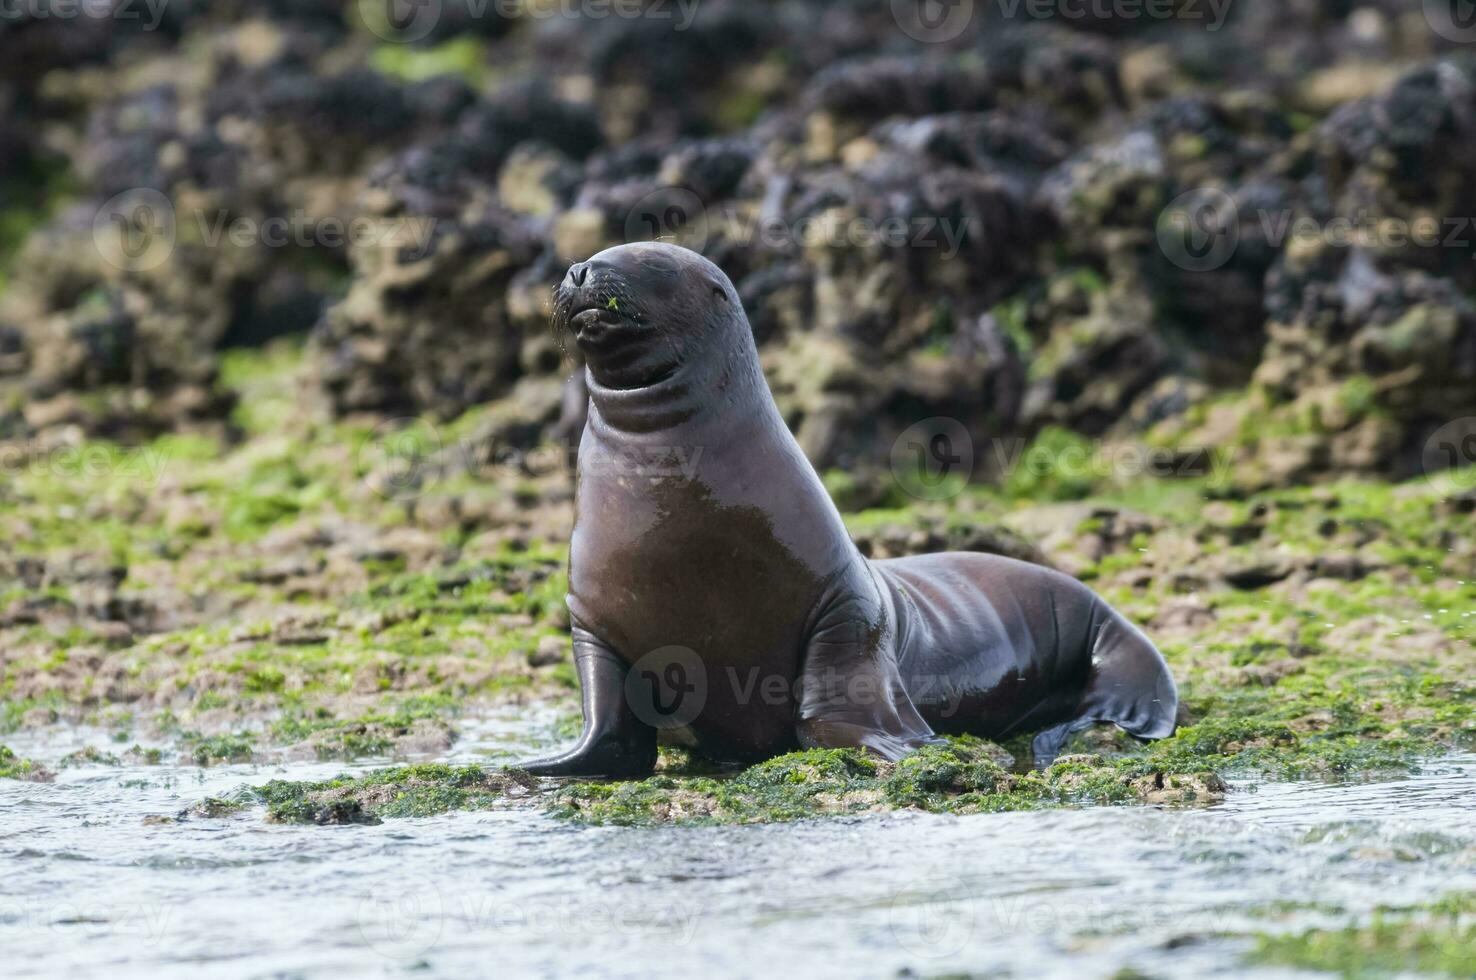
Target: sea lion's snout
640,310
595,305
593,301
608,307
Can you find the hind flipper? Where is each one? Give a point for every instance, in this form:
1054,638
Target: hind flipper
1130,684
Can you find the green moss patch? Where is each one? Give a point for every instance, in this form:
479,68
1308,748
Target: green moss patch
961,775
219,749
252,594
14,767
373,735
1435,940
404,791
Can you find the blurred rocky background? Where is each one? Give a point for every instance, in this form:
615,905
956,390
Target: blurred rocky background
1125,221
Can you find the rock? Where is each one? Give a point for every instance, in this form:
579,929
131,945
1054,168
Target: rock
550,650
1269,674
1029,166
1460,503
1258,572
1347,567
1184,614
1196,788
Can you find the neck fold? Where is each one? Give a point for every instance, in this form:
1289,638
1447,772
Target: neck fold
713,384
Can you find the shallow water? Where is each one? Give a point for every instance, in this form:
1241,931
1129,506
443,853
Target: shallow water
87,888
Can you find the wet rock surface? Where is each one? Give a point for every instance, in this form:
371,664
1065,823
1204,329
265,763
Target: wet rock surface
1019,227
309,593
285,434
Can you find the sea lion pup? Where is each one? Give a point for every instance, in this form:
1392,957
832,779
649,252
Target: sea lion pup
713,588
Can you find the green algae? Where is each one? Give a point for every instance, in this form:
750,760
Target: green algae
1052,468
403,791
90,756
219,749
215,808
1332,633
14,767
370,735
464,56
958,776
1438,939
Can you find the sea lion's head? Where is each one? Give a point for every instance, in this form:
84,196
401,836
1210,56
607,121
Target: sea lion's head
641,313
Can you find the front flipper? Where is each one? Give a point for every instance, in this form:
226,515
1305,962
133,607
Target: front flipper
615,743
851,693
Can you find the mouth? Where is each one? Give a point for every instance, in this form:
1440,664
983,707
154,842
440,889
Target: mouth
585,319
621,346
596,325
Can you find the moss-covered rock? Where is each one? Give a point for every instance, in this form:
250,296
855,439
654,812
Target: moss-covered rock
406,791
14,767
1438,939
961,775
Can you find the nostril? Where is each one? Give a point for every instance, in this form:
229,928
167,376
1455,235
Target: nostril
577,272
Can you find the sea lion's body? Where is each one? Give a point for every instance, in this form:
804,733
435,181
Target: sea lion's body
702,529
